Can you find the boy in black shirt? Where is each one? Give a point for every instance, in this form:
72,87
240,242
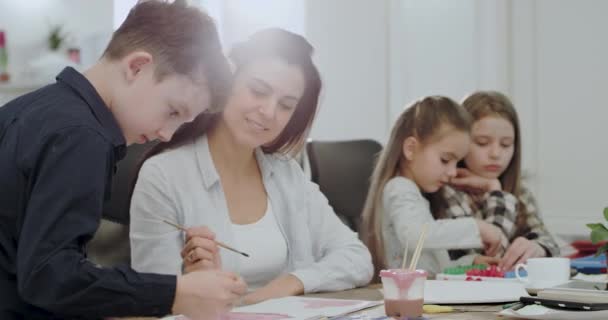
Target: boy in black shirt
58,149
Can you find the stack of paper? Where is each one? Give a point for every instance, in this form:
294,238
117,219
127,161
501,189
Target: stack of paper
298,308
541,312
591,277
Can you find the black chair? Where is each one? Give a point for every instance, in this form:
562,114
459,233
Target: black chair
110,245
343,169
117,209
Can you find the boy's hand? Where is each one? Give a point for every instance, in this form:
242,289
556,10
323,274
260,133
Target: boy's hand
485,260
207,294
490,237
467,180
520,251
201,251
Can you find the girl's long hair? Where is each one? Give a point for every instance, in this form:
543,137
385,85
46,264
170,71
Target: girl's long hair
482,104
423,120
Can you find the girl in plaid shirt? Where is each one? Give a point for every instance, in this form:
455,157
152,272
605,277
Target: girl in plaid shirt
426,143
488,187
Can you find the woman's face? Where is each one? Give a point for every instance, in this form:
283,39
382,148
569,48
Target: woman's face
264,97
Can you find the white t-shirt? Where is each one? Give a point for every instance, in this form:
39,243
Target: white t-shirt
267,250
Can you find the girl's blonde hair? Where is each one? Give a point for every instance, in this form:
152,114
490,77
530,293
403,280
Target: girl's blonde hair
482,104
423,120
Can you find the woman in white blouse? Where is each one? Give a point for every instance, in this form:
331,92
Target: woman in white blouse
229,177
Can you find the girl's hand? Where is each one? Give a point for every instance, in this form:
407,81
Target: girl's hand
200,252
520,251
467,180
490,237
485,260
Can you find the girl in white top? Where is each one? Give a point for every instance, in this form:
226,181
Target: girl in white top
229,176
426,143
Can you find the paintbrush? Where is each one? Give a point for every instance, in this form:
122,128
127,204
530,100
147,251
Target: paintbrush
223,245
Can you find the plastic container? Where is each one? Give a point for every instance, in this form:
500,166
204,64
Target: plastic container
403,292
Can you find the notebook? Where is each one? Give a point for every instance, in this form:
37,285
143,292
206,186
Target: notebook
578,291
542,313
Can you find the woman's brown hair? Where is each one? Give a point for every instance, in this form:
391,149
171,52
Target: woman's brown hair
268,43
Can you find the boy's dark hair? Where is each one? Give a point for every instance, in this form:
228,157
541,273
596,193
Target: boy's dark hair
182,40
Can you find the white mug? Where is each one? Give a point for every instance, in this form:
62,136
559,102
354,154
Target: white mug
544,272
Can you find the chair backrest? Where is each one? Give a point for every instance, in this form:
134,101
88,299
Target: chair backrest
117,208
110,245
343,169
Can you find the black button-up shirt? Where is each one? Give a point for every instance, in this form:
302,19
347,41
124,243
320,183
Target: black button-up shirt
58,149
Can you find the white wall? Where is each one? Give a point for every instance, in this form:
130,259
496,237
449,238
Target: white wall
27,24
243,17
571,82
547,55
447,47
434,50
237,19
350,38
120,12
524,83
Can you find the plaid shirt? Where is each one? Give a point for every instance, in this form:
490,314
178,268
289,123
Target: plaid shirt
499,208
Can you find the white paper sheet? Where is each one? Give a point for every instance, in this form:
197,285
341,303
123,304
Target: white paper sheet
299,308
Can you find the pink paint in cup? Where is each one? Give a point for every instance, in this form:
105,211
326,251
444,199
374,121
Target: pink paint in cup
403,292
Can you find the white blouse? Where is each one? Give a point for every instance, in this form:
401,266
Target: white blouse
266,247
182,185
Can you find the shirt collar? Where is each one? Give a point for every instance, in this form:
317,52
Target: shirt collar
81,85
207,167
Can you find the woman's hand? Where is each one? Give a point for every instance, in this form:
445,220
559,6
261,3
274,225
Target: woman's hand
282,286
201,251
491,237
207,294
467,180
520,251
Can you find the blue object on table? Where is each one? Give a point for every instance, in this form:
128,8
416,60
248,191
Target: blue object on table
590,264
511,274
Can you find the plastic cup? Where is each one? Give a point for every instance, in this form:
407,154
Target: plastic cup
403,292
